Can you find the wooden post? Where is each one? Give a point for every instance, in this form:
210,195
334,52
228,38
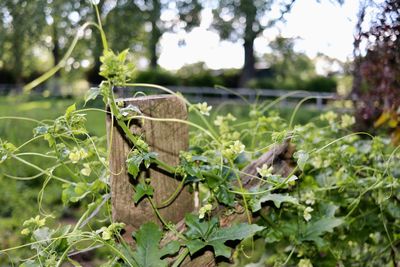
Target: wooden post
165,138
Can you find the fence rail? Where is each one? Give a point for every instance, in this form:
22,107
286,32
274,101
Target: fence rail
210,94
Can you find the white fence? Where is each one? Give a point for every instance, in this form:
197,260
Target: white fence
212,95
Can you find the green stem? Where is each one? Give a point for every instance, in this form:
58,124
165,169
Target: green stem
153,205
62,62
42,170
246,207
102,33
181,257
173,196
160,217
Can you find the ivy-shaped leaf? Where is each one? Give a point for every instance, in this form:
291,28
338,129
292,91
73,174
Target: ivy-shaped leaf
302,157
148,253
315,230
92,94
142,190
133,163
276,198
129,110
74,193
136,158
208,233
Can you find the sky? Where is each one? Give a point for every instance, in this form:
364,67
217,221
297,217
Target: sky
324,27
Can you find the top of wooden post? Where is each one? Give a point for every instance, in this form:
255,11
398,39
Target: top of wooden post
167,139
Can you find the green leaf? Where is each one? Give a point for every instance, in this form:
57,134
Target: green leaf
142,190
316,229
235,232
133,163
148,158
276,198
207,233
220,249
129,110
69,111
74,193
171,248
42,234
30,263
148,253
122,55
91,94
224,196
136,158
40,130
302,157
195,245
197,228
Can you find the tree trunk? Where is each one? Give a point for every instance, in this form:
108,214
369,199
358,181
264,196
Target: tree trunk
250,35
18,62
248,70
56,89
97,51
155,33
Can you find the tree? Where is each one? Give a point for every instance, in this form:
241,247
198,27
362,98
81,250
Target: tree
245,20
187,16
143,25
376,86
25,21
289,66
63,18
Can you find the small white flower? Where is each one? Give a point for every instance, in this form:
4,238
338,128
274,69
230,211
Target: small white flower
35,221
237,147
347,121
187,156
330,116
74,157
309,198
204,210
307,213
86,170
230,117
304,263
218,121
233,150
265,170
25,231
106,234
77,155
204,108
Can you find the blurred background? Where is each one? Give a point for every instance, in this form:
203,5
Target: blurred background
288,45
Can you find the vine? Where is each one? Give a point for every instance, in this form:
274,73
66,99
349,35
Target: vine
309,196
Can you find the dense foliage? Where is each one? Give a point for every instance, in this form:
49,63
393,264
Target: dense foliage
332,199
339,206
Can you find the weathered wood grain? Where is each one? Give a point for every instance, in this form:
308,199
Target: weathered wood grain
165,138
